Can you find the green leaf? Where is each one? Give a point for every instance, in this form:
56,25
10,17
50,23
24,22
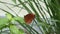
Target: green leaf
14,1
14,30
19,19
9,16
3,22
21,31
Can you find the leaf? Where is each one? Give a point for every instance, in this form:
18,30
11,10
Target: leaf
9,16
14,1
19,19
3,22
14,30
28,10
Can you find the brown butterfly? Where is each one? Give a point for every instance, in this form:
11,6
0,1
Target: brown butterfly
29,17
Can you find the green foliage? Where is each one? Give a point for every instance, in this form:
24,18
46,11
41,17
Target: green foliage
3,22
15,30
46,25
14,1
55,9
20,19
9,16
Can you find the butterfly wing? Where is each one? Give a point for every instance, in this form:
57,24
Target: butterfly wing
28,18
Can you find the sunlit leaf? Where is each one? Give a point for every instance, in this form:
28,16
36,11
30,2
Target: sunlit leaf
3,22
15,30
9,16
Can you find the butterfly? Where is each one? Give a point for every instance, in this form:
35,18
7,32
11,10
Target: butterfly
29,18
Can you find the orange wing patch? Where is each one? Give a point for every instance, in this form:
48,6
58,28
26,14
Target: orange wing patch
28,18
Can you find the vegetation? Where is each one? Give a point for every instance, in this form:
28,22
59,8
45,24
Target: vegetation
47,17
